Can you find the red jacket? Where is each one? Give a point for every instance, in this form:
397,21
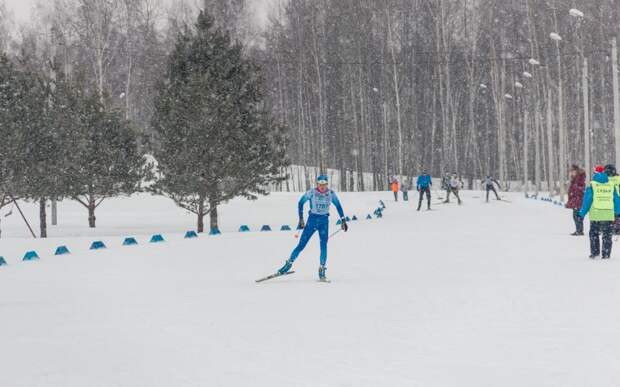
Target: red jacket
576,190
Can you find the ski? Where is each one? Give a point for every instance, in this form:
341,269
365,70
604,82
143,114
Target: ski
325,280
443,203
272,276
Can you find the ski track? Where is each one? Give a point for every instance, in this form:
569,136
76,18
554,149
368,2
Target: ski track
493,294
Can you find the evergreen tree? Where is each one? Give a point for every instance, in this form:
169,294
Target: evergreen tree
41,147
12,113
106,158
214,137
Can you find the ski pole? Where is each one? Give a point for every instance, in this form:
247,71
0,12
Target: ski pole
335,232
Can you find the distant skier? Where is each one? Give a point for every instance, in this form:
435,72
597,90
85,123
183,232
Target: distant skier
394,186
575,196
601,200
454,185
614,179
423,185
489,185
320,200
445,186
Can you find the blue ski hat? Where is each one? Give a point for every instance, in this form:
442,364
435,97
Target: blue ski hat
321,179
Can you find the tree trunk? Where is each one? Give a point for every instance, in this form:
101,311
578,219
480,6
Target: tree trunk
201,217
54,212
213,218
91,213
42,218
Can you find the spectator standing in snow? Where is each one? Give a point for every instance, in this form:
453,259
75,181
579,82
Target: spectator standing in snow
395,187
575,196
489,185
423,185
404,188
602,202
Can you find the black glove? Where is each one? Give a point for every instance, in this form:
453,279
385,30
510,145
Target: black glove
301,224
344,225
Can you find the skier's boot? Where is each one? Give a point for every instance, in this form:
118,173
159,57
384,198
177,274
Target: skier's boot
592,256
322,270
605,257
286,268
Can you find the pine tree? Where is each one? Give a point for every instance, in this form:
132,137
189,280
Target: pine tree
214,137
12,113
106,158
41,147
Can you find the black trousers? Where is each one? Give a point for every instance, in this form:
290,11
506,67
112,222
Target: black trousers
596,229
395,196
489,189
426,190
455,192
578,221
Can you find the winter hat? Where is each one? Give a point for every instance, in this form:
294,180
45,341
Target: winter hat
599,169
574,167
610,170
322,179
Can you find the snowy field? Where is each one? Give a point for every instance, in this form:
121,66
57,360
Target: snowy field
483,294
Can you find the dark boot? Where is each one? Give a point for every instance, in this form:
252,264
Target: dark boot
595,242
607,230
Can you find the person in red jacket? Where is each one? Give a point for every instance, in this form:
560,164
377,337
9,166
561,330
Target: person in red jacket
575,196
394,186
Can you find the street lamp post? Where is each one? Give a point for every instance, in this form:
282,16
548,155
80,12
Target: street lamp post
586,116
525,106
561,129
616,93
536,133
614,72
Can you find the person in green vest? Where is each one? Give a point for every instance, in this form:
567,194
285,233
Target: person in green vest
602,202
612,174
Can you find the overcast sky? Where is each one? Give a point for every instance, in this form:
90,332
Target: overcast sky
21,8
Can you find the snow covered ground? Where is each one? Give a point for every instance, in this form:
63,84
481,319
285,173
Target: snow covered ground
483,294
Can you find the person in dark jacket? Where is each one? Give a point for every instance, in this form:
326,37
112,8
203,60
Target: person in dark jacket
575,196
488,184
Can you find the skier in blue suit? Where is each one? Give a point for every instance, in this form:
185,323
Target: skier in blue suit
320,200
424,185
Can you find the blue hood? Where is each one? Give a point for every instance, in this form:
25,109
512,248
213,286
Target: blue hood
600,178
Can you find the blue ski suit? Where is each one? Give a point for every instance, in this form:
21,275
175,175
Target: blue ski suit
318,220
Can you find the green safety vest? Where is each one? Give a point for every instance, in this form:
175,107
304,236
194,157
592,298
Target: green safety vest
602,202
615,181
